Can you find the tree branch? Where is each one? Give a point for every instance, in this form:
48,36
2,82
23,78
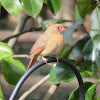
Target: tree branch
51,92
27,56
21,56
18,29
85,29
34,87
79,60
20,33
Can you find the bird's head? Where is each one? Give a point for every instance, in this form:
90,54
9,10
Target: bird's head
57,27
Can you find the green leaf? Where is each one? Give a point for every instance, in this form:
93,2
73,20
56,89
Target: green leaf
79,46
89,92
61,73
54,5
67,52
12,6
0,8
85,6
63,53
97,58
32,7
5,50
89,51
12,69
97,98
86,74
89,66
52,21
95,27
99,80
70,30
91,56
53,77
96,2
77,15
1,94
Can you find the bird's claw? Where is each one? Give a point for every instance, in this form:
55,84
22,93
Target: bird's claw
57,58
44,59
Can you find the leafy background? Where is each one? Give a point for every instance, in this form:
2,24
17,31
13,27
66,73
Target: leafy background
88,47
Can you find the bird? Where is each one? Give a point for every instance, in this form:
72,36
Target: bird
50,43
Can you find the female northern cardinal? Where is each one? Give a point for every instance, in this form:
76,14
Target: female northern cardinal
49,43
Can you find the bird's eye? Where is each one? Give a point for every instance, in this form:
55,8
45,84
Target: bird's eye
58,28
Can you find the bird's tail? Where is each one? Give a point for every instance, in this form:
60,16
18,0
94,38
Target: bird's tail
32,62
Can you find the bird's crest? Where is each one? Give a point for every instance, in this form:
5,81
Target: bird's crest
57,25
51,24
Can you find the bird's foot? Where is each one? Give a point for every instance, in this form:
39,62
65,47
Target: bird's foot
57,58
44,59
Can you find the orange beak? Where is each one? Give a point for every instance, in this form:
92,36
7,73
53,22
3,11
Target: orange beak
63,29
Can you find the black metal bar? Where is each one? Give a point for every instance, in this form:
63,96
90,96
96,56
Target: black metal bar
39,64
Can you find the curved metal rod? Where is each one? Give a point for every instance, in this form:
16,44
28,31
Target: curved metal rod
39,64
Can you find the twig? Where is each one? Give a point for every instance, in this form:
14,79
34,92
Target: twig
51,92
20,33
27,56
18,29
85,29
21,56
34,87
79,60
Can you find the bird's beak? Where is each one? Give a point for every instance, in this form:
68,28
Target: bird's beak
63,29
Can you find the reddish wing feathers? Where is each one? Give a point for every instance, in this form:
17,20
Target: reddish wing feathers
37,51
32,62
35,54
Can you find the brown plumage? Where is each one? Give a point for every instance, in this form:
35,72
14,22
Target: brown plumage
49,43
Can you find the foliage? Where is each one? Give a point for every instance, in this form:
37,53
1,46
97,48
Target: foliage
85,6
95,27
1,94
13,7
5,50
90,90
70,30
32,7
12,69
88,46
61,73
0,8
54,5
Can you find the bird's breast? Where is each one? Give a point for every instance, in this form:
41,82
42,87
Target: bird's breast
54,46
59,46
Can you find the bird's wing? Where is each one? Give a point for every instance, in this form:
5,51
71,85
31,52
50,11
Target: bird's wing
39,45
50,48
